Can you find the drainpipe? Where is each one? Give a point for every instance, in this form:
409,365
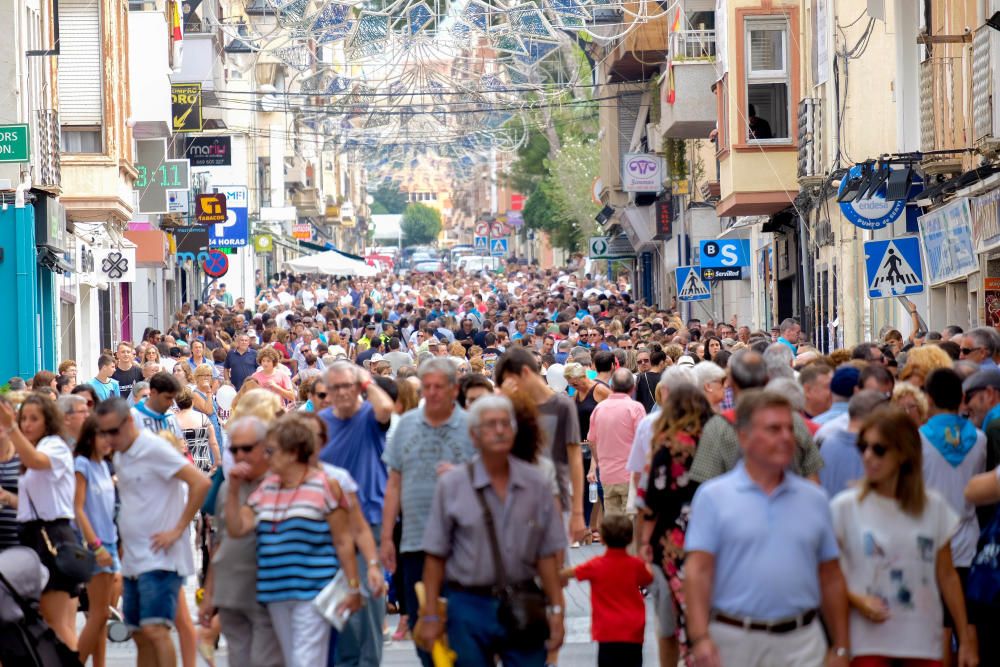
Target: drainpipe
26,281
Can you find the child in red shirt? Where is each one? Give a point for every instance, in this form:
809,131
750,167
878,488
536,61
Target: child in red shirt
618,620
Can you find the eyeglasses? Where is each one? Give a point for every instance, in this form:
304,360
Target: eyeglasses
320,394
878,449
642,361
341,387
497,425
969,350
116,430
78,412
235,449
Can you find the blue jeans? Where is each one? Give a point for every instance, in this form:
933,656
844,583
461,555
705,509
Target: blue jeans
475,634
359,644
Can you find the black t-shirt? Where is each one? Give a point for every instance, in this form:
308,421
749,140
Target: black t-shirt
645,389
127,378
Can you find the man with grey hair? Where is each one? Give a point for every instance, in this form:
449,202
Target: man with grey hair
789,331
75,412
778,358
356,421
718,448
981,346
427,442
613,424
231,580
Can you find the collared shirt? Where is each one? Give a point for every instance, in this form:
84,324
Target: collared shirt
988,364
767,548
841,462
235,559
719,450
836,409
785,341
612,429
415,450
528,524
241,366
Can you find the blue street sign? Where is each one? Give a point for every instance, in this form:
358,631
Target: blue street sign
481,244
498,248
690,286
725,254
235,231
893,267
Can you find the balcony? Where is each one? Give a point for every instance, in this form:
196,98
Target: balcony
641,52
943,122
692,58
986,90
307,203
296,172
48,160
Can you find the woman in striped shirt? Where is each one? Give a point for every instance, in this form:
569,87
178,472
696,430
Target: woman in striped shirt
295,511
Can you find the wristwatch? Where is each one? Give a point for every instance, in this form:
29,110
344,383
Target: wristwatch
554,610
841,652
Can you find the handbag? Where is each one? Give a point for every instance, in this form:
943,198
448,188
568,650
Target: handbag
72,560
983,586
522,606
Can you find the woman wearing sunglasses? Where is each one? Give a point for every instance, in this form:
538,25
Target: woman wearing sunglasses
895,541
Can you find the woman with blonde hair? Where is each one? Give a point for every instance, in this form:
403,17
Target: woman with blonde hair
184,374
911,400
920,361
260,403
895,552
151,354
248,385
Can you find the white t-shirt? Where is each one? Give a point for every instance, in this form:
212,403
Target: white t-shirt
890,554
950,482
51,490
152,501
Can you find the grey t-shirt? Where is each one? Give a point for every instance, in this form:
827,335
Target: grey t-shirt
561,429
415,450
235,561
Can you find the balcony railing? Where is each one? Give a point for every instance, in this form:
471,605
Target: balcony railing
692,45
943,122
49,166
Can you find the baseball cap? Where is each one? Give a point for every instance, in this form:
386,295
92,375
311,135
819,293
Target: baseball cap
845,379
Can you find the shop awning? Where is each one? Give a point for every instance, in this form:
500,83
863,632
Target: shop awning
51,259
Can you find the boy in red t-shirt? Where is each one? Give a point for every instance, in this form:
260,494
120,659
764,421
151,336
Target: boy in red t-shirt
618,620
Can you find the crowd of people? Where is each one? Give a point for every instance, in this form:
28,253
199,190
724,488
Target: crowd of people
436,446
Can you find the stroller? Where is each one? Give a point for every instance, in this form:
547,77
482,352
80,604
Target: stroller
25,639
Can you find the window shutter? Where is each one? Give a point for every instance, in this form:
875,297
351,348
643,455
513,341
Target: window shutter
80,66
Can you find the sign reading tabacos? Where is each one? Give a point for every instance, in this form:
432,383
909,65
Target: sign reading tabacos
642,172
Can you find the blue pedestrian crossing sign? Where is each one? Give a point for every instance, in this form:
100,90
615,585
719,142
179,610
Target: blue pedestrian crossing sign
690,286
893,267
498,247
481,244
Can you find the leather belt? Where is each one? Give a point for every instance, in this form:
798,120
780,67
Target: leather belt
778,627
484,591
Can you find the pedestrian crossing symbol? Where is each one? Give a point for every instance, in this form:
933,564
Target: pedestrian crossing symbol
690,286
893,267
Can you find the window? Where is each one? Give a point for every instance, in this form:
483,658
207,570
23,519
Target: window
82,140
768,81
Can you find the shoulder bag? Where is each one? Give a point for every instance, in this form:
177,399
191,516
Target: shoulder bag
522,606
73,561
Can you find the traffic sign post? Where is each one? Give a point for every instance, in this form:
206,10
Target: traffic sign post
481,244
690,286
216,264
498,247
893,267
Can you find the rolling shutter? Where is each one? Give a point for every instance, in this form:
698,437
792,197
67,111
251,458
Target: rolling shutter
80,67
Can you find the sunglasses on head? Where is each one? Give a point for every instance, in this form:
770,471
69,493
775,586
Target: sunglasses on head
878,449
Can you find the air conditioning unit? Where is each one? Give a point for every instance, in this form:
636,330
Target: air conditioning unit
985,89
810,164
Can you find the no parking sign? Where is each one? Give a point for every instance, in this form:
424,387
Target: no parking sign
216,264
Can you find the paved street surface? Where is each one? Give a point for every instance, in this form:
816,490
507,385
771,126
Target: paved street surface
578,650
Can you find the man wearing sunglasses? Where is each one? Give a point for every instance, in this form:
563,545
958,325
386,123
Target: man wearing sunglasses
160,494
230,585
980,346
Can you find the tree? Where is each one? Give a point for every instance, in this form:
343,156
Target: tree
388,199
421,224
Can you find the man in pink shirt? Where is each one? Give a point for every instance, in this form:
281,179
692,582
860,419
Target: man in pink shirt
612,430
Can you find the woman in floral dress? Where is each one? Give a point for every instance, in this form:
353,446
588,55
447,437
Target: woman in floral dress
664,498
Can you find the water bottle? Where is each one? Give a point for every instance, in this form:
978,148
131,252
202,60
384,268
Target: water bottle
593,493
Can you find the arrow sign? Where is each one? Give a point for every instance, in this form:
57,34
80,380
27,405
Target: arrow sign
186,106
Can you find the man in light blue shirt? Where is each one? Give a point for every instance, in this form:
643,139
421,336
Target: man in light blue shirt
843,385
789,331
842,464
981,345
762,554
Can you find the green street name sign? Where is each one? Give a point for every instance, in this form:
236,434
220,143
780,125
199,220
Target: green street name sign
15,145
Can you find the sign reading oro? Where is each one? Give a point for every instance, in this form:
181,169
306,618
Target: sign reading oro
186,106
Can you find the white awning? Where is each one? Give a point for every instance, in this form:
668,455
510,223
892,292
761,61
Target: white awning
330,263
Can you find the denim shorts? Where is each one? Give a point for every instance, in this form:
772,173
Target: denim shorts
151,598
116,565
